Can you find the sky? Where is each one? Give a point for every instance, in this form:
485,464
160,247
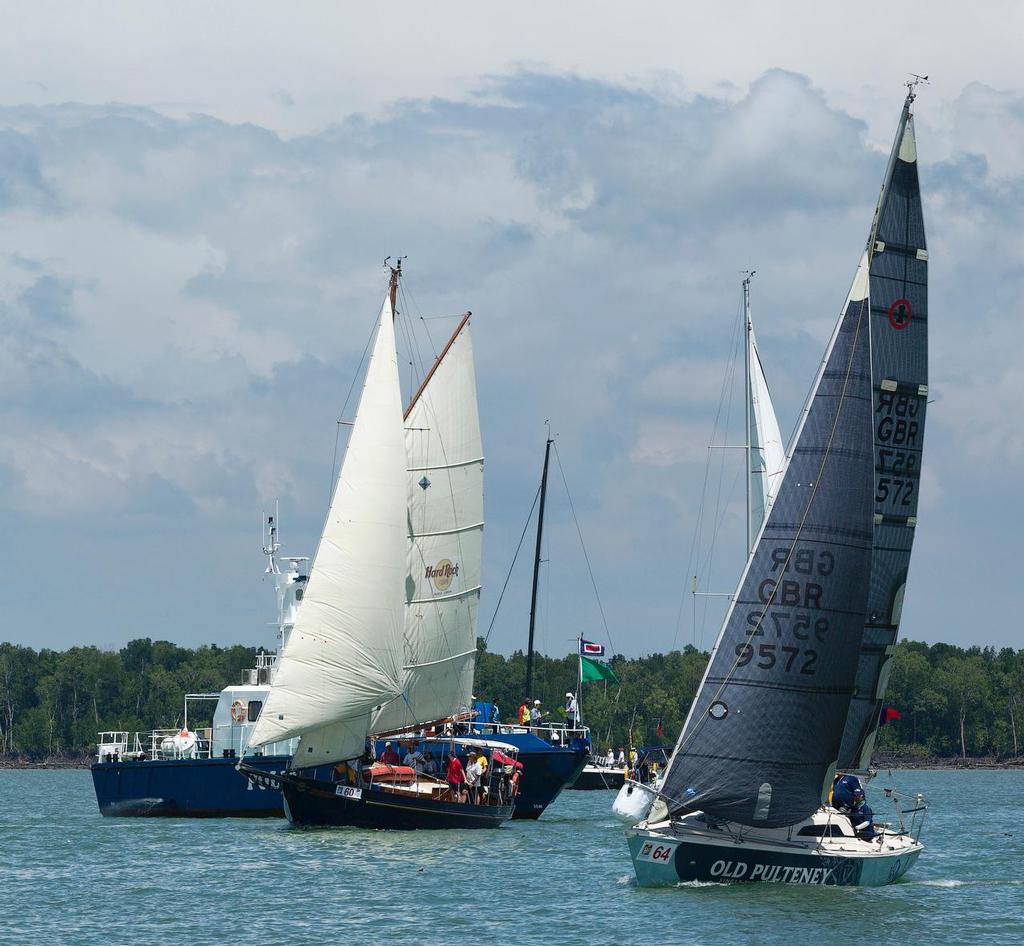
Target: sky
196,201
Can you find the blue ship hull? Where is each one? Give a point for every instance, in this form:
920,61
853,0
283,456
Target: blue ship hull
547,770
187,788
212,788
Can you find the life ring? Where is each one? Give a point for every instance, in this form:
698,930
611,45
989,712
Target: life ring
238,711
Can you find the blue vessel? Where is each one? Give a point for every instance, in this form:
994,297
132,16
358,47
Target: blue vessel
183,772
187,788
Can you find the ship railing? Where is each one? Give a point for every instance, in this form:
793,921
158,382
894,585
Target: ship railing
110,744
552,732
911,820
164,745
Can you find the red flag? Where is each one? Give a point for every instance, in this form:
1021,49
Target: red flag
888,715
659,727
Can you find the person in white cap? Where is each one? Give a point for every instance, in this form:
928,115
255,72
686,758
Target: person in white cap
535,714
572,711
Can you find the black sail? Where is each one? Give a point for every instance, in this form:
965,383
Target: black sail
899,371
763,734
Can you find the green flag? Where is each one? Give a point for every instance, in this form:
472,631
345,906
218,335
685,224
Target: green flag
595,670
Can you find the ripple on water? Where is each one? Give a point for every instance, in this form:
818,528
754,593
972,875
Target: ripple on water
565,879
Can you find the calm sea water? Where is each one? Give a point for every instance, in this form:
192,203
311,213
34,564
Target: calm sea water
68,876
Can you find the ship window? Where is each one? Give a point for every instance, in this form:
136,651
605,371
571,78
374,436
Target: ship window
254,710
821,831
298,594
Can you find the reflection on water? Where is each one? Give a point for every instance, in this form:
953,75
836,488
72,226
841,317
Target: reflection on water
74,877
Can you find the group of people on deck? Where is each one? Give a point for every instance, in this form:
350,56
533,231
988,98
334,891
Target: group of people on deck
467,777
531,714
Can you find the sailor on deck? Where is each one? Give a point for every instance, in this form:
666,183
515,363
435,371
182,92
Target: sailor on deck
572,711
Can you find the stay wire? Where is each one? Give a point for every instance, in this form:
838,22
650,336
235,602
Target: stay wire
526,526
683,742
583,546
341,414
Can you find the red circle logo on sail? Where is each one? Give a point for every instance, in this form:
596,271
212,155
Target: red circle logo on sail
900,314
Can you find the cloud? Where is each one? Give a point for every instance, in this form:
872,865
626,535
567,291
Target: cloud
184,303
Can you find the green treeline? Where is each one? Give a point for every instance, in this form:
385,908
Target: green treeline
953,701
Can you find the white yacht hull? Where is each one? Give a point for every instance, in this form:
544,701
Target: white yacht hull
688,850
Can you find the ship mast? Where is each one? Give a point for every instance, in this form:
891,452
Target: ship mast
536,567
747,329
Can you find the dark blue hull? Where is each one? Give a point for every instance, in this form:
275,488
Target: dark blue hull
547,770
312,802
187,788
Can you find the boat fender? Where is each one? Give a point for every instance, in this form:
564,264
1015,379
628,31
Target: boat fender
238,711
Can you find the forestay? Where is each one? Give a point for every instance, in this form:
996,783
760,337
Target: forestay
899,367
342,659
763,733
444,488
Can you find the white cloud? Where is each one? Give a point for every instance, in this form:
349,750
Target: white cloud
184,302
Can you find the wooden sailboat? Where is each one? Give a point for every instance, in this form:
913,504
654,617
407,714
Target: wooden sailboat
794,685
385,638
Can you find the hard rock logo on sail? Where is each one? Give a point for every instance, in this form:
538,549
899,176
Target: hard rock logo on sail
442,574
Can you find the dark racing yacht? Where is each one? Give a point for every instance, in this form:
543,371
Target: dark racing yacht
794,688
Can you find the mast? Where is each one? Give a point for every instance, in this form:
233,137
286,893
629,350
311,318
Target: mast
747,328
536,567
396,274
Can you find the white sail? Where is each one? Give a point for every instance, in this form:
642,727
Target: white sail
445,502
343,657
767,451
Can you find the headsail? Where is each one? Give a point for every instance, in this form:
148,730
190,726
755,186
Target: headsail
899,369
763,733
767,451
445,540
342,659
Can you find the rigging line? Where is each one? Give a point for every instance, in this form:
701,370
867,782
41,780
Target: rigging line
719,511
693,559
409,303
338,423
583,545
799,530
526,526
414,304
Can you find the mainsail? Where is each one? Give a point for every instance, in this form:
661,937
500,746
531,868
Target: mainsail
342,660
898,260
445,501
762,736
767,451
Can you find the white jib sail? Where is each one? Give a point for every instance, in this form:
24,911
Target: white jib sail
445,500
343,657
767,451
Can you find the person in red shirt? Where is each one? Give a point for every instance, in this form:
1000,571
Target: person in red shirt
456,776
389,756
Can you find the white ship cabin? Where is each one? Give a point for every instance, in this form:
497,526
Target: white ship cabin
234,718
238,706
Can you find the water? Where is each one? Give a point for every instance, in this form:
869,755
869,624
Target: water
68,876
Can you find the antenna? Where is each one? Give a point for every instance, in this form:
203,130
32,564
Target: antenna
912,84
271,545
